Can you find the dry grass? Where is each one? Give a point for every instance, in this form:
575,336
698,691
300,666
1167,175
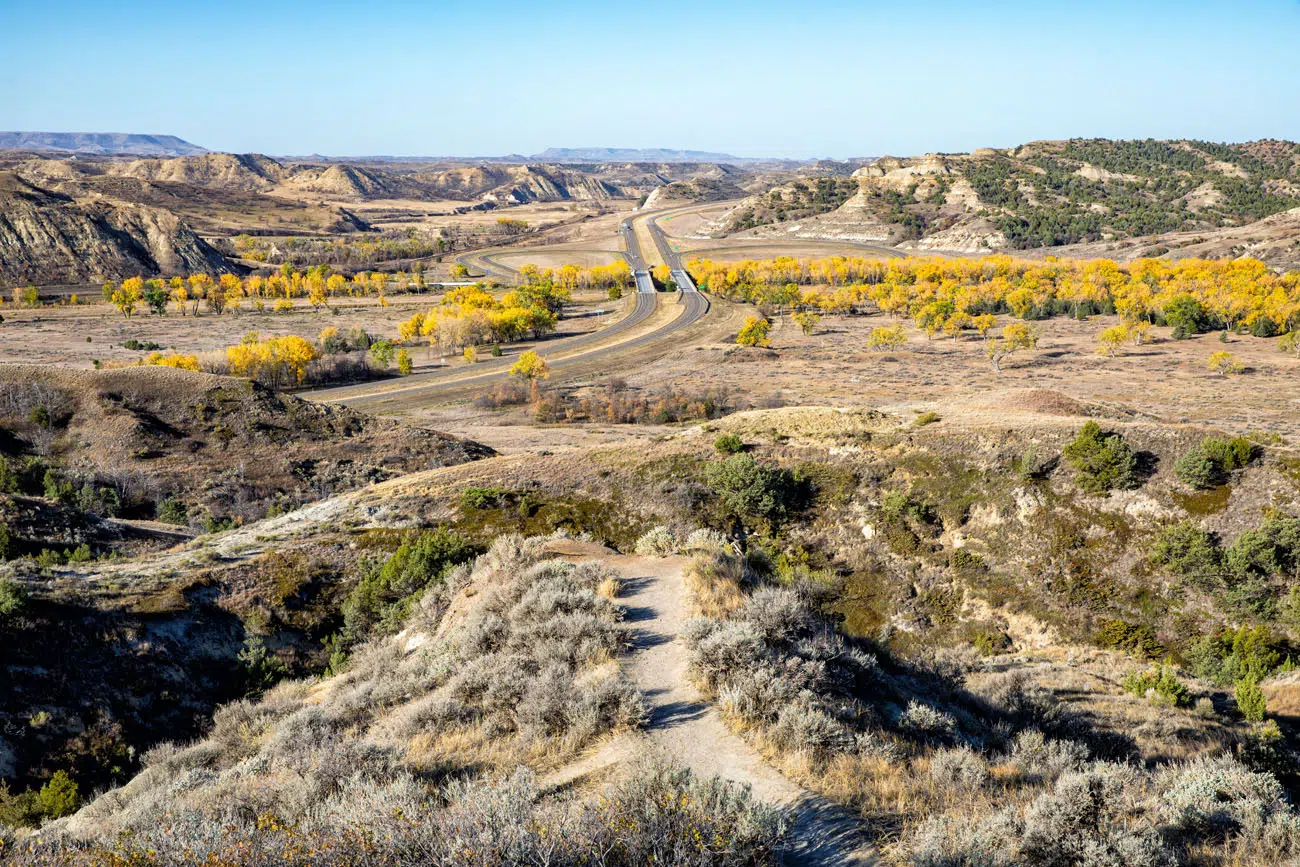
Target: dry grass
714,582
610,588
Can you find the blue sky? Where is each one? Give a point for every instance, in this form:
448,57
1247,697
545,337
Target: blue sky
802,79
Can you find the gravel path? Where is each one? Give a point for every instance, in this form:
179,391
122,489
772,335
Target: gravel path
687,727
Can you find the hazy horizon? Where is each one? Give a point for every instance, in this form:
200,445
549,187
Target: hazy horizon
450,79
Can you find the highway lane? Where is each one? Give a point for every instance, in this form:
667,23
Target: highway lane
640,271
694,303
673,259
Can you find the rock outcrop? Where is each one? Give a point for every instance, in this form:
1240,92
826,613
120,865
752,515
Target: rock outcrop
49,237
250,172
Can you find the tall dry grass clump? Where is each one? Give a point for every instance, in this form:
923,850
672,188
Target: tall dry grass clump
715,580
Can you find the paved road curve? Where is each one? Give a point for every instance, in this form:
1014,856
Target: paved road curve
370,394
695,304
378,397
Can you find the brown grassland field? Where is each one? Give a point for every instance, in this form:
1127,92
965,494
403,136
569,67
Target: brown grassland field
77,336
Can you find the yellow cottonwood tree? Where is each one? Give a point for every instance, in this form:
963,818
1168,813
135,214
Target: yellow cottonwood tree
531,367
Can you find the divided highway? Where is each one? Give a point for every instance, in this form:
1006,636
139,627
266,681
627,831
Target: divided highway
696,305
645,285
672,259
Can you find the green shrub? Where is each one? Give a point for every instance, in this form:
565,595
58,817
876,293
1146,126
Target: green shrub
173,511
900,506
750,490
17,809
58,797
483,497
1033,465
1250,597
1160,685
31,478
5,542
899,539
1136,638
962,560
218,524
100,501
1230,454
12,598
384,597
1209,463
991,643
1271,549
48,558
262,669
1263,326
1187,550
1250,699
1187,316
1196,469
57,488
729,444
1290,607
1102,461
1234,654
382,352
8,478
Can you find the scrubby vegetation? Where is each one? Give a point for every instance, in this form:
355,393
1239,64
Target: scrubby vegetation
184,449
507,660
384,596
796,201
1249,576
752,491
615,402
653,813
962,634
1048,194
973,771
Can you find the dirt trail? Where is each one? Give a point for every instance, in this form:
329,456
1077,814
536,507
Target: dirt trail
688,728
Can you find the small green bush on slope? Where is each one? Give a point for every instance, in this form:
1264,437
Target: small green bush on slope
383,598
1208,463
1102,462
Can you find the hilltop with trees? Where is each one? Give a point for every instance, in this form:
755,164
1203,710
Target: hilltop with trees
1045,195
